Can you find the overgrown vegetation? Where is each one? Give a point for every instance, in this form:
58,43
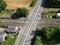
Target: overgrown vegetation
10,40
20,12
49,14
52,3
49,35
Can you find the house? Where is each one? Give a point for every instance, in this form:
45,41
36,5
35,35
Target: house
2,35
58,15
13,29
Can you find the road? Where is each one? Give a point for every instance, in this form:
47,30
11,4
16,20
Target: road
24,37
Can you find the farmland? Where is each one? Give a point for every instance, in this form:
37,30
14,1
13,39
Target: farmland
11,4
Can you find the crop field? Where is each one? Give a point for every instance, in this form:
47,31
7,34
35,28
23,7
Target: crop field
11,4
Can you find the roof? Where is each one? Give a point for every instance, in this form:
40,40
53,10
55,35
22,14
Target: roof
11,29
58,14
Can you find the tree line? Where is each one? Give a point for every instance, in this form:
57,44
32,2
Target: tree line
52,3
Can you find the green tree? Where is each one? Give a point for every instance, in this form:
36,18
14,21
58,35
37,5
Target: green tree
2,5
48,32
51,32
53,3
20,12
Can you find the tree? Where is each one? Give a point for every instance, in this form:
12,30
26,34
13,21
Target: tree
48,32
51,32
53,3
20,12
2,5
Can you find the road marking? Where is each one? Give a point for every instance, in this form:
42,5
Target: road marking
30,27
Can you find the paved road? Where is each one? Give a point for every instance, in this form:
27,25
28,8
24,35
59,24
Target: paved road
24,37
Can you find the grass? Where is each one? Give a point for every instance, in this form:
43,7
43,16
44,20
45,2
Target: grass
38,41
33,3
6,13
9,40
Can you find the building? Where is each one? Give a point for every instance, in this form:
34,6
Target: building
58,15
2,35
13,29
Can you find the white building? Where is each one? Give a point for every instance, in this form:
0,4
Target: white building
58,15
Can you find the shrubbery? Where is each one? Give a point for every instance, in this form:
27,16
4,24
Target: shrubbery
20,12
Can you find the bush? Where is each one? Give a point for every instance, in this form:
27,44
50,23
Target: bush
20,12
